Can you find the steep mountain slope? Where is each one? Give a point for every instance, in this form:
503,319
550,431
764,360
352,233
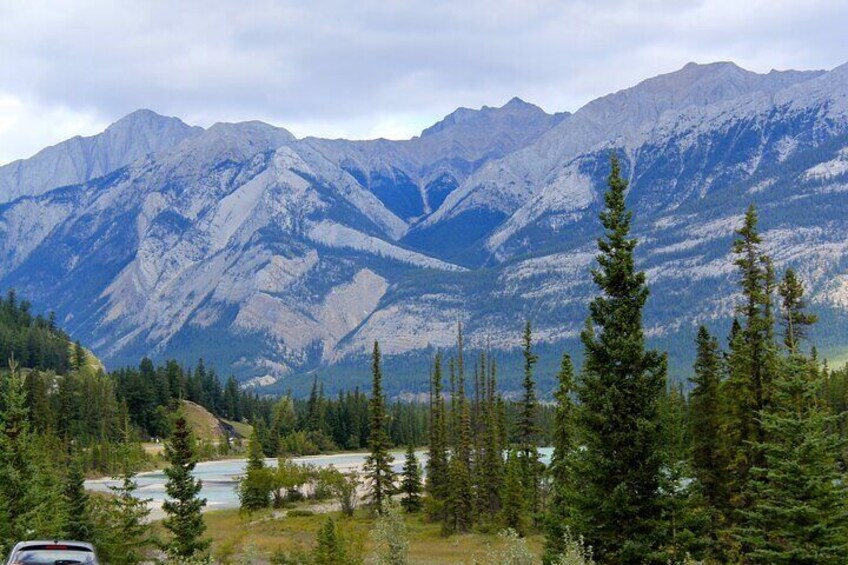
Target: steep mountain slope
413,178
619,120
272,256
83,158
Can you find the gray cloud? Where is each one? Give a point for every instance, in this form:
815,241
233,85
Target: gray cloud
368,68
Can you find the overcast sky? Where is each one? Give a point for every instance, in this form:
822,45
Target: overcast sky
367,69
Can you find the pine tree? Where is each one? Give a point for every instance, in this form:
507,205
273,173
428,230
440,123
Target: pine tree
563,443
254,488
460,501
411,484
79,359
799,508
794,318
183,507
515,507
798,512
619,466
78,525
751,363
528,428
378,464
125,537
313,409
330,548
437,463
705,400
491,460
683,513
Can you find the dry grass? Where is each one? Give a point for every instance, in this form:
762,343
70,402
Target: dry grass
269,532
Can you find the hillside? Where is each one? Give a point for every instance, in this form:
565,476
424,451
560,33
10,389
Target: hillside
208,427
273,257
35,341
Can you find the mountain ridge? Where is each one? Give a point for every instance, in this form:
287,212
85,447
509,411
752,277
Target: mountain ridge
273,256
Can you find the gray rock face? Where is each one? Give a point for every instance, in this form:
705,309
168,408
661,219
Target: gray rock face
80,159
271,256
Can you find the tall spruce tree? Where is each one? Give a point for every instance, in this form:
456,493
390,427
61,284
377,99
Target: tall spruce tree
683,513
619,466
411,483
515,506
491,460
254,488
183,506
705,418
460,501
528,427
78,525
437,461
378,464
126,535
557,519
751,363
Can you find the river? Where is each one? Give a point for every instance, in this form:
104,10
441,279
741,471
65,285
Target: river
221,477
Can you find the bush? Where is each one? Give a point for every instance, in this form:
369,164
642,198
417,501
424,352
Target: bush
513,551
576,551
391,545
342,486
300,513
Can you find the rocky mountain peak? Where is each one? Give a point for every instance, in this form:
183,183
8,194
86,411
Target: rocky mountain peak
81,159
487,116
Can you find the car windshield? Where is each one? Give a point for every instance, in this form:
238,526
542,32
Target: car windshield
53,556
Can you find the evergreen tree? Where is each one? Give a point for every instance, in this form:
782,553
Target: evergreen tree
78,525
437,462
491,460
183,507
799,509
330,548
619,466
528,428
705,400
794,318
411,484
124,534
254,488
557,517
79,360
683,513
313,408
515,507
378,464
798,513
751,363
460,501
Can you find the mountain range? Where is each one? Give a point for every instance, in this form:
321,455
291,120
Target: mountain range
272,256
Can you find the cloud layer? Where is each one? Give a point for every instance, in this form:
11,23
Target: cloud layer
368,68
